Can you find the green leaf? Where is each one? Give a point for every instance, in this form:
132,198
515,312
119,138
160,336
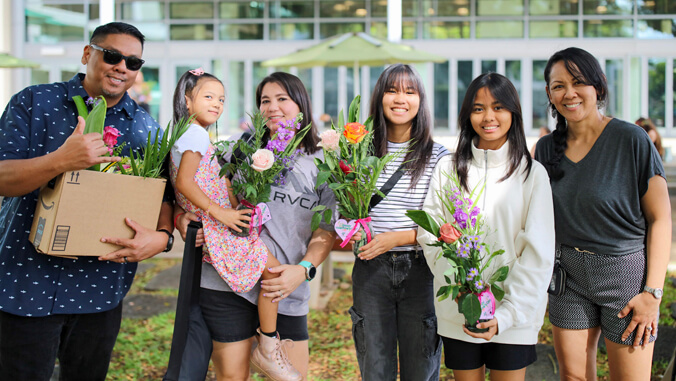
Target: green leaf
81,106
497,291
353,111
318,208
316,219
322,177
500,275
455,292
471,308
328,214
424,220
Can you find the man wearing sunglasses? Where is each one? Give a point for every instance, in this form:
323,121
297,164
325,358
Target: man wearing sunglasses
56,307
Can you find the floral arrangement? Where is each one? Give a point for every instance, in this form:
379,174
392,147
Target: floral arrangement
148,162
255,169
469,256
351,169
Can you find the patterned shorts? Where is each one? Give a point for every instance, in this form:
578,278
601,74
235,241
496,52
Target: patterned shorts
598,286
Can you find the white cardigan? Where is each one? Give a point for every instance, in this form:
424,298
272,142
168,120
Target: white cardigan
519,218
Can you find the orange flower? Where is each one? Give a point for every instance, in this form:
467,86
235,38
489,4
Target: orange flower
355,132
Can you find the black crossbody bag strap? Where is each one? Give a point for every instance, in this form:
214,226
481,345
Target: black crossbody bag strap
387,187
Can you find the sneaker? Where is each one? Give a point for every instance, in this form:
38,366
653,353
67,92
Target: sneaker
270,359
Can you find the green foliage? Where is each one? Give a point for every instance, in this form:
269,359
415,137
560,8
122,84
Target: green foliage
94,120
149,162
467,255
248,183
355,187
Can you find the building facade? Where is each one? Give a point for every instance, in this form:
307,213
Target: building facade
634,40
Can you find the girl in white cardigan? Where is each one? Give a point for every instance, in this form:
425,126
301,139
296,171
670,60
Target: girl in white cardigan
516,204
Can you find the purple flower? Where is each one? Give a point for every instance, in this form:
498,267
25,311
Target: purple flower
461,218
472,273
463,252
479,285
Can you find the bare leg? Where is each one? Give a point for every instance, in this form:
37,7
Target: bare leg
629,363
231,360
478,374
267,311
576,352
508,375
299,355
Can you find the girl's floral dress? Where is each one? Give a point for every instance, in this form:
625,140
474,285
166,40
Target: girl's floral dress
240,261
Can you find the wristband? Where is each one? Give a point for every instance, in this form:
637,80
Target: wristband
176,218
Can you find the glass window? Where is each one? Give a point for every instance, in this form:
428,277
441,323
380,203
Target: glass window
513,73
540,99
259,72
349,85
379,29
305,76
409,31
94,12
608,28
374,73
241,31
656,28
235,86
239,10
499,29
39,76
142,11
331,92
150,88
409,8
607,7
292,31
331,29
656,7
614,77
292,9
191,10
552,7
440,30
656,90
50,23
552,29
192,32
67,73
154,31
347,8
489,65
464,79
437,8
441,90
499,7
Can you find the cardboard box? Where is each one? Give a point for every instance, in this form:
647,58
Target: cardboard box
78,208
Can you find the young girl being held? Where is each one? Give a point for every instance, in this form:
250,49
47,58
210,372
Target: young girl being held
240,261
516,203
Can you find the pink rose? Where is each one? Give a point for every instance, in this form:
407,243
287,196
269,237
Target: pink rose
329,140
262,159
110,135
449,233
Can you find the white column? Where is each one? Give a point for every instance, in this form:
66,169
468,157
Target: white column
342,91
318,95
394,20
106,11
527,94
453,96
5,46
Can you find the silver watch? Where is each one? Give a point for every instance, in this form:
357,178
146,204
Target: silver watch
656,292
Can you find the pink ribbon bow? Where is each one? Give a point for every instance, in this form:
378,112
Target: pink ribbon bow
256,211
363,222
199,71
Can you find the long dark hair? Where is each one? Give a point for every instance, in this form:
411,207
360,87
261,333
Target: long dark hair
188,85
504,92
400,76
648,126
586,69
298,94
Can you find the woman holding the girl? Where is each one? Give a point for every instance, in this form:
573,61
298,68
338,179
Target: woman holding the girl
516,205
392,285
613,225
232,317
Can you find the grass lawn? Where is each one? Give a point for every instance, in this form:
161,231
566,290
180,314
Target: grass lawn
142,349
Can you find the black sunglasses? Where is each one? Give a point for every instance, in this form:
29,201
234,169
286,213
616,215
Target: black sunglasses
113,58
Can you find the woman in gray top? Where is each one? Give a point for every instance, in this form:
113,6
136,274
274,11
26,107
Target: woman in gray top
231,317
613,225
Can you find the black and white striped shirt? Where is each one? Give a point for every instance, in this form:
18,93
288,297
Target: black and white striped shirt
390,213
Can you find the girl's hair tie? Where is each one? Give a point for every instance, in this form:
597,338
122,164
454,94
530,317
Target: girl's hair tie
197,72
